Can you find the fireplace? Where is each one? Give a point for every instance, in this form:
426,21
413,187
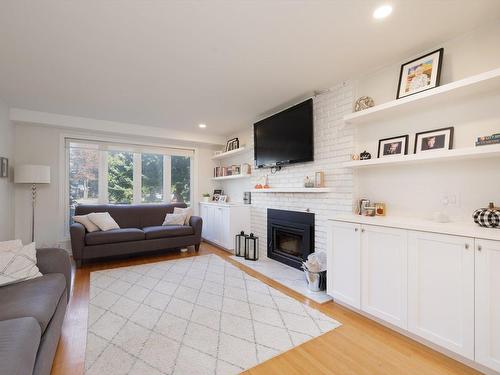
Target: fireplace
290,236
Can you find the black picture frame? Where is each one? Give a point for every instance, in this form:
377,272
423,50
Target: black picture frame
232,144
401,137
440,53
449,129
4,167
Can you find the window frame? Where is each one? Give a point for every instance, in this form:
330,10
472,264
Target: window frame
137,150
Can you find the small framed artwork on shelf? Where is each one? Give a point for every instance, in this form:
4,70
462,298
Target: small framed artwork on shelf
420,74
439,139
232,144
223,199
393,146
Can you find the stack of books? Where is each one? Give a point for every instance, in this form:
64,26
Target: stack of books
488,140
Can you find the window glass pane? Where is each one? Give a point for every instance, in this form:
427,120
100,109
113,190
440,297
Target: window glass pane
83,177
181,179
152,178
120,176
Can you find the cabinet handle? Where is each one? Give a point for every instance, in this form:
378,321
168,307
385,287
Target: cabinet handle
355,229
479,247
362,231
466,246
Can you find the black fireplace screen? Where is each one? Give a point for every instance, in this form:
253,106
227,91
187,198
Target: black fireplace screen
288,243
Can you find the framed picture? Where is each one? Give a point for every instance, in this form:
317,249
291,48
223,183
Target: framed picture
217,193
393,146
439,139
232,144
223,199
420,74
4,167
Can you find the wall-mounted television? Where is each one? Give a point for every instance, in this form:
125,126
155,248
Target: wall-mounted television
285,137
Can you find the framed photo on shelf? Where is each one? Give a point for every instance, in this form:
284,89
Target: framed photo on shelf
232,144
223,199
420,74
393,146
4,167
216,195
438,139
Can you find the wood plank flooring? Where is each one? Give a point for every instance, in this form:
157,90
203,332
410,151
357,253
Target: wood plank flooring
360,346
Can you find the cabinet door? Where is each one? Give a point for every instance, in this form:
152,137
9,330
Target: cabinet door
204,216
441,290
343,280
384,273
488,303
210,223
217,228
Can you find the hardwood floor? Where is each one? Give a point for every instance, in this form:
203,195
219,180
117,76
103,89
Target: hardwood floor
360,346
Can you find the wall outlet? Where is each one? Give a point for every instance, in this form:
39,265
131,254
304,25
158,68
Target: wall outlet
450,199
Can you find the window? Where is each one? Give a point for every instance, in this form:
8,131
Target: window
152,178
101,173
120,177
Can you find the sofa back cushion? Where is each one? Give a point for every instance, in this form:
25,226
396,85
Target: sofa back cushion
132,215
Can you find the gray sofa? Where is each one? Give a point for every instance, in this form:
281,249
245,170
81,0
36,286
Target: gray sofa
140,231
31,316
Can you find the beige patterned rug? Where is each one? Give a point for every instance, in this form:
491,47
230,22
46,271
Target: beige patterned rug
197,315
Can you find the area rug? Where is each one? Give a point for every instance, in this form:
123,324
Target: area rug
197,315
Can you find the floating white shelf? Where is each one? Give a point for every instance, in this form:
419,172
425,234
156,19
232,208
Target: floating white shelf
470,86
229,154
232,177
292,190
480,152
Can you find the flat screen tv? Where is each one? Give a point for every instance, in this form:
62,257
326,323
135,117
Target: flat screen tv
286,137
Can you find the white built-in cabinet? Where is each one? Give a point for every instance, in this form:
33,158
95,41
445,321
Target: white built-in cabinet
487,313
221,222
440,287
441,290
384,273
344,267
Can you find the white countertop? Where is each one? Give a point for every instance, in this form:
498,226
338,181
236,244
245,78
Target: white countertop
466,229
226,204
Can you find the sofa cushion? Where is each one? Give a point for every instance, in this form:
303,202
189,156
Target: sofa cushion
19,342
168,231
114,235
37,298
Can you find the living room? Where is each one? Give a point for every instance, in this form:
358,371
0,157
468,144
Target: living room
260,187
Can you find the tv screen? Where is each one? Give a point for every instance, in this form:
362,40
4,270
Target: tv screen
286,137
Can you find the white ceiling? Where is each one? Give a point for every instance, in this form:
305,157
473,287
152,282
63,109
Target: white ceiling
174,64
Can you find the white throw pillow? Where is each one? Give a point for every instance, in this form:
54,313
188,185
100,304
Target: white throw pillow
188,212
17,262
174,219
85,221
103,220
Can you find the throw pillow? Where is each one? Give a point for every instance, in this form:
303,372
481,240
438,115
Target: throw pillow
85,221
17,262
103,220
188,212
174,219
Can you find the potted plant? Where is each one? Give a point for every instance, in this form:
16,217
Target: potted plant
206,197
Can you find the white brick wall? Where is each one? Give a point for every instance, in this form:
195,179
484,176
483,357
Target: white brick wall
333,144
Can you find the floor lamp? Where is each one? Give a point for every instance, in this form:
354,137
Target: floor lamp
32,174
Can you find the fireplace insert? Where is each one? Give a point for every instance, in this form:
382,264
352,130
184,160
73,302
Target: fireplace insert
290,236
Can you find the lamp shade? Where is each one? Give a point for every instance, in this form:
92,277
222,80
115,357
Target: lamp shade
32,174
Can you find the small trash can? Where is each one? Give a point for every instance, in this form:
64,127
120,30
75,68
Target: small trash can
316,281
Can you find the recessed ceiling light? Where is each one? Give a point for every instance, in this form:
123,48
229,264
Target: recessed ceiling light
203,126
382,12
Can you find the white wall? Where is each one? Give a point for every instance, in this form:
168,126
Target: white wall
418,190
43,145
6,185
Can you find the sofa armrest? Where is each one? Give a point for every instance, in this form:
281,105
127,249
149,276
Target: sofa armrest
77,233
197,223
55,261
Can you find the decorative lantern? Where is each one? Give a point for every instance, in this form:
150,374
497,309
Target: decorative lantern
251,247
239,244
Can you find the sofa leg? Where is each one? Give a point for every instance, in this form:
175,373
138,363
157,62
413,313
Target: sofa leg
78,263
197,247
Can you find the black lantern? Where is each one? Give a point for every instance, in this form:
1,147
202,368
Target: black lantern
239,244
251,247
